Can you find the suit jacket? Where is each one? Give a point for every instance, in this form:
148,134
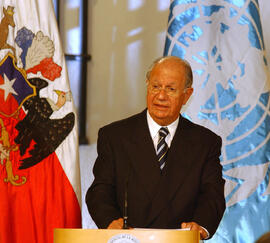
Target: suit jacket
189,188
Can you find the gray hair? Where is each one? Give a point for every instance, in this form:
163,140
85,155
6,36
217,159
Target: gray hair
189,76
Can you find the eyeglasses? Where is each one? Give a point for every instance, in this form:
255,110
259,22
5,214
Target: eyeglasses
169,90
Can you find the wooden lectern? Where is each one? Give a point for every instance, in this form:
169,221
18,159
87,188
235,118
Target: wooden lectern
125,236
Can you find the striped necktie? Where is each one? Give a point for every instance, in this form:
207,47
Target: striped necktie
162,146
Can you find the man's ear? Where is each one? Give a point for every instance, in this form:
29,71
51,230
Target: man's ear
187,94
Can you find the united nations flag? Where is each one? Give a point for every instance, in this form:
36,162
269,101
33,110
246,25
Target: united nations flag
223,41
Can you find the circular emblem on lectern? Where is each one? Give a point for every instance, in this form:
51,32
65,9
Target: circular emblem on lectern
123,238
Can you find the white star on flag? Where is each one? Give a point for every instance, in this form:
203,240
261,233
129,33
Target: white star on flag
7,86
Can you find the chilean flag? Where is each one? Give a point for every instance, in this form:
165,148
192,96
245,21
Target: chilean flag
39,167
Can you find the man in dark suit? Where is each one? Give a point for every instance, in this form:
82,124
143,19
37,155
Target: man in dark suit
167,167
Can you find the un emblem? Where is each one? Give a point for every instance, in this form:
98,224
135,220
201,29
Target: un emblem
123,238
221,40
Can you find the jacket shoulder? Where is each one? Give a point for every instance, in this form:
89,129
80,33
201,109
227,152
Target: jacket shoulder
126,124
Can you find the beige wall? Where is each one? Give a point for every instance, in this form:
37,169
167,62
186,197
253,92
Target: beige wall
125,36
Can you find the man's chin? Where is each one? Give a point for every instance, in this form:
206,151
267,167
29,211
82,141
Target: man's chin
160,117
160,114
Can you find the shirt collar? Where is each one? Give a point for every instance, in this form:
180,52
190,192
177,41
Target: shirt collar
154,127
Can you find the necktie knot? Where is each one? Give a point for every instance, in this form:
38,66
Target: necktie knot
163,132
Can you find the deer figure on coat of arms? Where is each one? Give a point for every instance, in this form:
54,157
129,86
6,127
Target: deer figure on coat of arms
5,22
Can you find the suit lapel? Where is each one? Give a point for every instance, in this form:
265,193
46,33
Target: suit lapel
144,161
176,169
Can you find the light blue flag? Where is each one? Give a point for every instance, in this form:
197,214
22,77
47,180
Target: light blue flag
223,41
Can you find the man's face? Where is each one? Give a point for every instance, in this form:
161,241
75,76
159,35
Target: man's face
166,91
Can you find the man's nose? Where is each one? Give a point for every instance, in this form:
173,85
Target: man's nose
162,94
